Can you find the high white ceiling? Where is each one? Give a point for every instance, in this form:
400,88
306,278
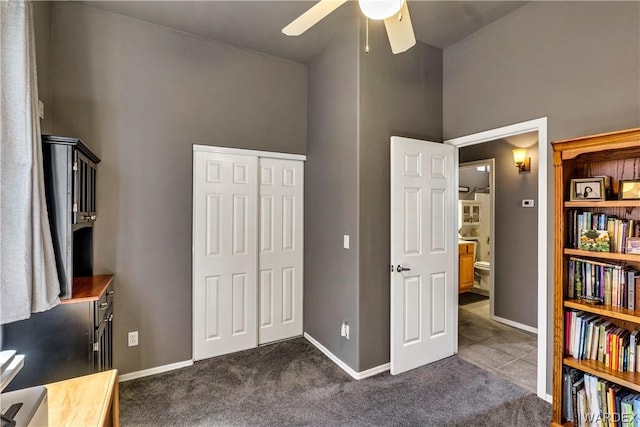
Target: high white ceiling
257,25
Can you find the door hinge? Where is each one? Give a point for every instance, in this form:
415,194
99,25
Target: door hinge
75,166
96,346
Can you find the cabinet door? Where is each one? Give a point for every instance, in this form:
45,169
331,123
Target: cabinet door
465,273
84,177
101,346
280,249
475,213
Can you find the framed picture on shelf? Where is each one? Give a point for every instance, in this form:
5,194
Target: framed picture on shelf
629,189
633,245
587,189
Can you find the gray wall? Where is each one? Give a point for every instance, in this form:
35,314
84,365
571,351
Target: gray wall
331,197
515,235
472,178
42,25
575,62
399,95
140,95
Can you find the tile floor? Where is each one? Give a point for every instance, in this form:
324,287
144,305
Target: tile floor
504,350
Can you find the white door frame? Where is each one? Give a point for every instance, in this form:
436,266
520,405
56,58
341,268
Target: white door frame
540,126
492,228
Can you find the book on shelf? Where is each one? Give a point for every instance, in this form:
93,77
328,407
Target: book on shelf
605,283
592,337
612,232
590,401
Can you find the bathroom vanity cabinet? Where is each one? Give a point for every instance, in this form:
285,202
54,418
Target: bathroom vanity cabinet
465,266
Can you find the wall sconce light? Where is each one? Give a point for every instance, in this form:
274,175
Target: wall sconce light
523,163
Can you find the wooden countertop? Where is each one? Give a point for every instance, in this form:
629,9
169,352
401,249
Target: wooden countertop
89,288
91,400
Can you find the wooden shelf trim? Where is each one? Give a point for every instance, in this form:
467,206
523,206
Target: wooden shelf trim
89,288
629,380
605,310
608,142
603,204
614,256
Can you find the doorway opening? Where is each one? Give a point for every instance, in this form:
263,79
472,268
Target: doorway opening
475,233
538,274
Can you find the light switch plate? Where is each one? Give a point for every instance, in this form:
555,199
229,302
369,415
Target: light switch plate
345,242
528,203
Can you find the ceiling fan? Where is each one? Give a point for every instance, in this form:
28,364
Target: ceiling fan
395,14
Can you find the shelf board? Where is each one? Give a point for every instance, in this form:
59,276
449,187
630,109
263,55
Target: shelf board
615,256
603,204
629,380
605,310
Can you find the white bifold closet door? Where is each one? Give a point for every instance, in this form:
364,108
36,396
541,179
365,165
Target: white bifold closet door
280,246
247,251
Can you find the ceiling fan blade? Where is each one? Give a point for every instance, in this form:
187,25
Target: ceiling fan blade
400,32
312,17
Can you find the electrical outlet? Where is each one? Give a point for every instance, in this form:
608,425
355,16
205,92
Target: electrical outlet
344,330
133,338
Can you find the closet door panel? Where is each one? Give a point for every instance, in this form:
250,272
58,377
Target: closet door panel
225,249
281,246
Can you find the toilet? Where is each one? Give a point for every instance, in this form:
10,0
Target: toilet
482,266
482,270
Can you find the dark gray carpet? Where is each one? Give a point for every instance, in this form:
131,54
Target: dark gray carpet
292,383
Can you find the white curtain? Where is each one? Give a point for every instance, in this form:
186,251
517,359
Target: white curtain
28,278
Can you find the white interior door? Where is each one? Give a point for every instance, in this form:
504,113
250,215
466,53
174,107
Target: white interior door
423,253
280,249
225,258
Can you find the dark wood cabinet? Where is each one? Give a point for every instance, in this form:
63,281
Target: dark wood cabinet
70,187
74,338
70,340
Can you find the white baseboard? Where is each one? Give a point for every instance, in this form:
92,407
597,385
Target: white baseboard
356,375
516,324
549,398
152,371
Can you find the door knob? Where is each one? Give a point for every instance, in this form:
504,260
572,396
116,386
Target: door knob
400,269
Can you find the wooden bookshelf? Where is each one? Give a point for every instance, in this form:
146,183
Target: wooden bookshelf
614,256
603,204
604,310
630,380
614,154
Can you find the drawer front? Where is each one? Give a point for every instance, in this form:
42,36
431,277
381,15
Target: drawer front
102,306
465,248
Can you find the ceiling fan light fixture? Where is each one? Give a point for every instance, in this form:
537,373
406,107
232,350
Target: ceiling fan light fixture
380,9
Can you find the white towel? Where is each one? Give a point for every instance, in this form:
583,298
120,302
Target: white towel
28,278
